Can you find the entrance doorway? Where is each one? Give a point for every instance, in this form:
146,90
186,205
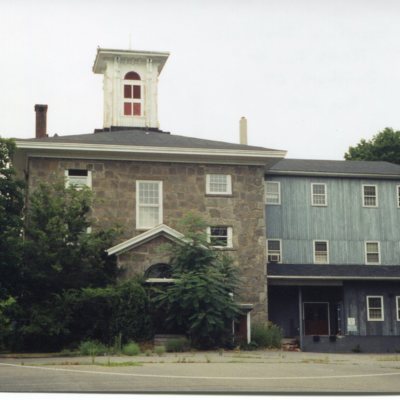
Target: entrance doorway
316,318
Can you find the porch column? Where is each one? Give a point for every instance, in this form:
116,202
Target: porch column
301,317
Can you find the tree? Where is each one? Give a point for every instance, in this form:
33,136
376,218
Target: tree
385,146
11,208
200,301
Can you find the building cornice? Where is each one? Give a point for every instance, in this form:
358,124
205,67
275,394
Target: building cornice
333,174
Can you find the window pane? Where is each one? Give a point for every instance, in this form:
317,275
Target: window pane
137,109
148,216
219,236
127,91
274,245
375,302
132,76
372,247
375,314
369,190
127,109
148,193
321,246
218,183
136,92
272,193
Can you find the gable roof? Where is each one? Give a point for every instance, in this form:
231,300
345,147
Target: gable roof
159,230
369,169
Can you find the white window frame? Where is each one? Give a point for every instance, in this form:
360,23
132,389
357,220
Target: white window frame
228,184
398,308
132,101
375,308
325,194
229,232
315,251
398,196
364,198
78,186
366,253
140,206
277,193
274,252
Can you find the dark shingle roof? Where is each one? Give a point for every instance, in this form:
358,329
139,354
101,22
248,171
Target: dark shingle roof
334,271
328,167
143,137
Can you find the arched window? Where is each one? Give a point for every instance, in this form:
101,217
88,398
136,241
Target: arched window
133,98
160,270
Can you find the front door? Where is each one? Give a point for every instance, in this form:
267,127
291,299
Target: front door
316,318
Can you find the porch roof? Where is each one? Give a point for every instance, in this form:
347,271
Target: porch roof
331,271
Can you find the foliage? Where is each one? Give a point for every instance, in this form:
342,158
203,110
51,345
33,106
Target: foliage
11,212
249,346
131,349
178,345
385,146
5,320
92,348
200,301
159,350
266,335
59,253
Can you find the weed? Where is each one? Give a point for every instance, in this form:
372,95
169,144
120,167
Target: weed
131,349
159,350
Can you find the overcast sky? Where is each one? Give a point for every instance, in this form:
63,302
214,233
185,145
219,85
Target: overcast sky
312,76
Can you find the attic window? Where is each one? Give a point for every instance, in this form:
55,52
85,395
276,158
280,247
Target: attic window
78,178
133,96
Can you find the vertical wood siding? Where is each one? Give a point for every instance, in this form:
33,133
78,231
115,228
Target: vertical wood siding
344,222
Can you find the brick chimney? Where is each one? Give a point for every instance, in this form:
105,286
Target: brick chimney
41,120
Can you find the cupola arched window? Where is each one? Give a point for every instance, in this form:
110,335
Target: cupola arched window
133,96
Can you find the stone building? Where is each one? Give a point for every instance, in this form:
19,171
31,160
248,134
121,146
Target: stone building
148,179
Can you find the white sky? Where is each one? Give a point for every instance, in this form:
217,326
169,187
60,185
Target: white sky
312,76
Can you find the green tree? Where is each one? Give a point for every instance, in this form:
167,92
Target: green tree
11,208
385,146
200,301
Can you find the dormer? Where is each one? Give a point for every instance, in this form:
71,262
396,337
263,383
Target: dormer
130,86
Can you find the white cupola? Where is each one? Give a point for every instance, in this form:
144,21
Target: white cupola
130,86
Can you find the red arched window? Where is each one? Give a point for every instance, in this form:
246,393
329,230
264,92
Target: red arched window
132,94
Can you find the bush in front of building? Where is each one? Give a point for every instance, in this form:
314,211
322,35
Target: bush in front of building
266,335
131,349
178,345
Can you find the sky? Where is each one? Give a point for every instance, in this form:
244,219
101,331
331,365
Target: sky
312,77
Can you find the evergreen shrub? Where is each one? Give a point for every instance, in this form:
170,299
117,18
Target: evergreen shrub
266,335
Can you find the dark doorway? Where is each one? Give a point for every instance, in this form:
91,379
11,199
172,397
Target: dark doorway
316,318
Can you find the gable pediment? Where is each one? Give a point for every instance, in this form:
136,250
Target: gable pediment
161,230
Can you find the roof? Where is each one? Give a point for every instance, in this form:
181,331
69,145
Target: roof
143,137
331,271
335,168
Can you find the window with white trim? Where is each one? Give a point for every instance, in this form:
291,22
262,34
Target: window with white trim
133,94
375,308
321,252
78,178
318,194
370,195
272,192
398,195
218,184
149,206
398,307
220,236
372,253
274,252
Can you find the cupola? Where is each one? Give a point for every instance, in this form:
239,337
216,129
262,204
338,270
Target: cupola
130,86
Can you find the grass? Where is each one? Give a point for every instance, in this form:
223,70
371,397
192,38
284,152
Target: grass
389,358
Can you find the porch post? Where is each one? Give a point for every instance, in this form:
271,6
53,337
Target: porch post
301,317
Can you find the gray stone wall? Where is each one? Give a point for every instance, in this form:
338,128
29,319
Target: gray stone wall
184,190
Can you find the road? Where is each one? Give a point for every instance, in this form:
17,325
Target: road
258,372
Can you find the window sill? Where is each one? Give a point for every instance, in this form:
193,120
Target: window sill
218,195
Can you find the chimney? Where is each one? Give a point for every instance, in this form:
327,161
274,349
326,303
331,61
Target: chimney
243,130
41,120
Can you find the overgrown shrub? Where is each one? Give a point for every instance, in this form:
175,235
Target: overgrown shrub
131,349
92,348
159,350
266,335
178,345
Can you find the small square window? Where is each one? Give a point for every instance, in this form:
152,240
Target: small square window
274,250
372,253
370,196
375,308
321,254
220,236
272,192
78,178
318,194
218,184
